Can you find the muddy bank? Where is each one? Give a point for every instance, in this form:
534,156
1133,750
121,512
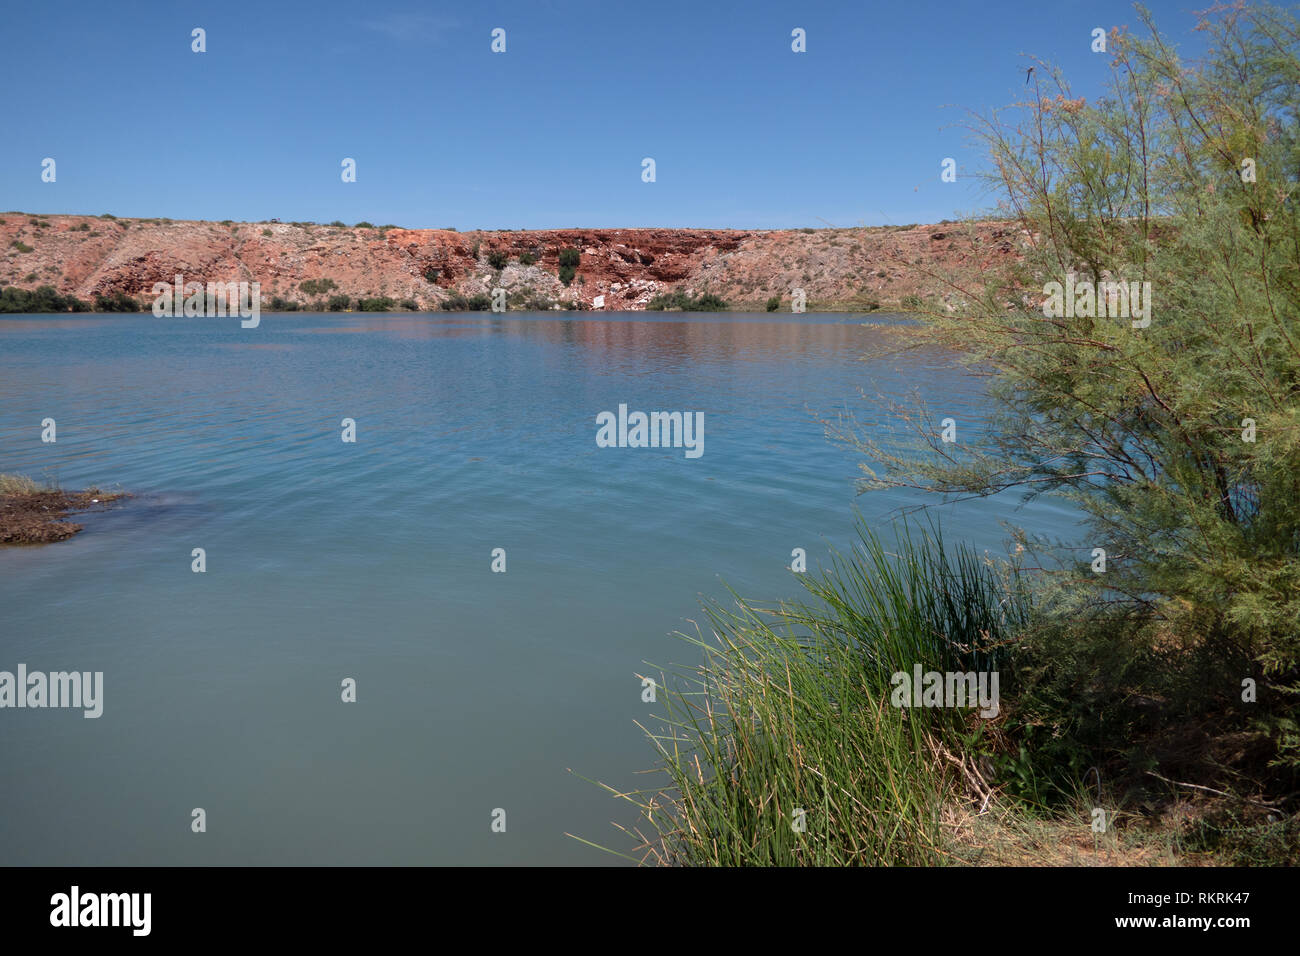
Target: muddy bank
39,517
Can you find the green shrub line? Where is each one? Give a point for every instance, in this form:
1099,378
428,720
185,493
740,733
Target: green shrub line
46,298
679,300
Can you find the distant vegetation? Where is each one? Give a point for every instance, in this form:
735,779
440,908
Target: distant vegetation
680,301
458,303
343,303
498,258
117,302
43,299
317,286
569,259
48,299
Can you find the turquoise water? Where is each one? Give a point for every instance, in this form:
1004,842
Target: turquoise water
372,561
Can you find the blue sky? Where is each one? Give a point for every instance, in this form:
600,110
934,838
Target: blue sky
744,132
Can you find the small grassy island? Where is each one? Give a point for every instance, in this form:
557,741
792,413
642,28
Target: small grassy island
31,513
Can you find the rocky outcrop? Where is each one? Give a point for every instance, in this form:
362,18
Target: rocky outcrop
885,266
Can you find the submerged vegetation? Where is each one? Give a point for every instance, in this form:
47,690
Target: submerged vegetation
1149,670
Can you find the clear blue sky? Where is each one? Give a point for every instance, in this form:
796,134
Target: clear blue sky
744,132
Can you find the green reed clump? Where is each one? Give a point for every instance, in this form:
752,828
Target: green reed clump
783,748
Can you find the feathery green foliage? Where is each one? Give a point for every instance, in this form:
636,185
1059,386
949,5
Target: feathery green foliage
1177,431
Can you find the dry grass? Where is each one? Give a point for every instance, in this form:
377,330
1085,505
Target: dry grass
1006,836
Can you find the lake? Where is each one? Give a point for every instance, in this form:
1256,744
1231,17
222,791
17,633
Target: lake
372,560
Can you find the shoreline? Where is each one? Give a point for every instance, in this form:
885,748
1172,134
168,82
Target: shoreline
32,514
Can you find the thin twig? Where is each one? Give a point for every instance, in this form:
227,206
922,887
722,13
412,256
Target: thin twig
1222,793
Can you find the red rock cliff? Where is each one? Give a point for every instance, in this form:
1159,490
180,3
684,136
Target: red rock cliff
884,266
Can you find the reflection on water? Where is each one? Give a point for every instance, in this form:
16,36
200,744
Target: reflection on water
371,560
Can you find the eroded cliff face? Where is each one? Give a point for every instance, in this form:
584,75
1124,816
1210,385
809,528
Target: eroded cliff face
87,256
